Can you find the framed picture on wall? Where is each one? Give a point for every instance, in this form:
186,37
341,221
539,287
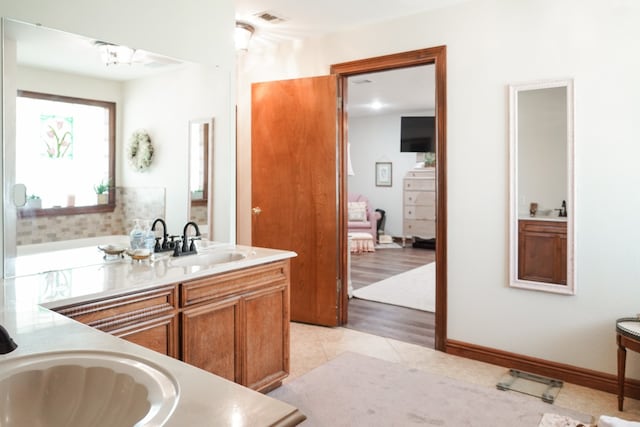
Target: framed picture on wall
383,174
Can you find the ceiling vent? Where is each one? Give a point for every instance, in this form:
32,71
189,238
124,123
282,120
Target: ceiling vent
269,17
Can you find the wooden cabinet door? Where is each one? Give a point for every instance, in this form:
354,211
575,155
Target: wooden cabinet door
211,335
157,334
266,356
542,251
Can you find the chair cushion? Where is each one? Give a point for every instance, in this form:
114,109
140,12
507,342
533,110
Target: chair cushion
357,211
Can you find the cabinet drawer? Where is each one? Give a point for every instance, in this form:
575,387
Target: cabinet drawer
533,226
116,312
420,212
420,184
231,284
420,228
424,198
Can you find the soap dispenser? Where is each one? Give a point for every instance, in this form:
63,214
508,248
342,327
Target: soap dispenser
136,236
149,236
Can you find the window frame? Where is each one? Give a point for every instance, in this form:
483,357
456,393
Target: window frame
77,210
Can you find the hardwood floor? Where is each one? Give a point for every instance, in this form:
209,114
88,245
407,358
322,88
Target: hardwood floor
401,323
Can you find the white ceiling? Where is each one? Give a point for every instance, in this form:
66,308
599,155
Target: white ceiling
313,18
398,90
405,91
42,47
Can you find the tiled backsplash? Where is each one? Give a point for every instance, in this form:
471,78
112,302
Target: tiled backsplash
131,203
199,214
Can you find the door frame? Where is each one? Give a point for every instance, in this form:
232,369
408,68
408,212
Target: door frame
434,55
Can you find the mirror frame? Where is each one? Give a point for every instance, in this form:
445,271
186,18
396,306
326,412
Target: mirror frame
514,281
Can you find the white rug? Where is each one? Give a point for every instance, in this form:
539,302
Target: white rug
414,289
392,245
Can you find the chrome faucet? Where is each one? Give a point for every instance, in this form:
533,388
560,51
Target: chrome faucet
188,244
7,345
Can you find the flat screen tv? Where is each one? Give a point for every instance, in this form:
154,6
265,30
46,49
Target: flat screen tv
417,134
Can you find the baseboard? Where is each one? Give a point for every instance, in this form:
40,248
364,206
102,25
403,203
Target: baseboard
572,374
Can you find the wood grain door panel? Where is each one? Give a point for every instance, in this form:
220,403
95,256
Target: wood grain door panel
294,128
266,339
157,334
210,337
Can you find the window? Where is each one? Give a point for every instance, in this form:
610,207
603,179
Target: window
65,153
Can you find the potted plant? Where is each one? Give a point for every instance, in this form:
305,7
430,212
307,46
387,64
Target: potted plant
102,191
197,194
34,202
430,160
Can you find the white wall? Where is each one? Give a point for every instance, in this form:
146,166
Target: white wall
377,139
491,44
163,105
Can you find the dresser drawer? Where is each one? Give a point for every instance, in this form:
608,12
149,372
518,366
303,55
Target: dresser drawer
422,173
419,212
420,228
420,198
420,184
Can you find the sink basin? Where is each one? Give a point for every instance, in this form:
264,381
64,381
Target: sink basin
84,388
209,258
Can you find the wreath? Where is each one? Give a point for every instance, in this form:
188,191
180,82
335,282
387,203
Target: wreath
140,151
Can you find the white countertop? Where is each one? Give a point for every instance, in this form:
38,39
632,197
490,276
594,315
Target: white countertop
205,399
543,218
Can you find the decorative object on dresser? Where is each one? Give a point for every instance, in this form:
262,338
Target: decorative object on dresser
419,204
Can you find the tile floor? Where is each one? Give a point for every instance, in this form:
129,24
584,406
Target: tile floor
311,346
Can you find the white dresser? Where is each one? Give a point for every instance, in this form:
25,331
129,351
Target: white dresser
419,204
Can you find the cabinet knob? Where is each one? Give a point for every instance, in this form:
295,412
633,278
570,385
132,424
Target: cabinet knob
256,210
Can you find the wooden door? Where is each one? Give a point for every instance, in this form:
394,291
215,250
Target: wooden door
294,152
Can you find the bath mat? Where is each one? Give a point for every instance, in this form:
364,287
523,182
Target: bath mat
414,289
356,390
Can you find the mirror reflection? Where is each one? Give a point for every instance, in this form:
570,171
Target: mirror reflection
542,214
150,92
199,148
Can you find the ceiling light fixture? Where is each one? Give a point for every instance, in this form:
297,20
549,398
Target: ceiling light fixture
243,35
113,54
376,105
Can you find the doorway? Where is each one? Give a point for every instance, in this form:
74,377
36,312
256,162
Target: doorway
390,117
437,57
303,207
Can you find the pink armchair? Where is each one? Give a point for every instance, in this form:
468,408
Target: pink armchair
361,217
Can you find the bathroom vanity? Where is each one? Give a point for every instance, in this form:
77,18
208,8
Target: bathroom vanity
233,324
229,318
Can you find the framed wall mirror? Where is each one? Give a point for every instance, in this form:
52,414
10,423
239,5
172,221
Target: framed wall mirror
55,62
200,137
542,205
